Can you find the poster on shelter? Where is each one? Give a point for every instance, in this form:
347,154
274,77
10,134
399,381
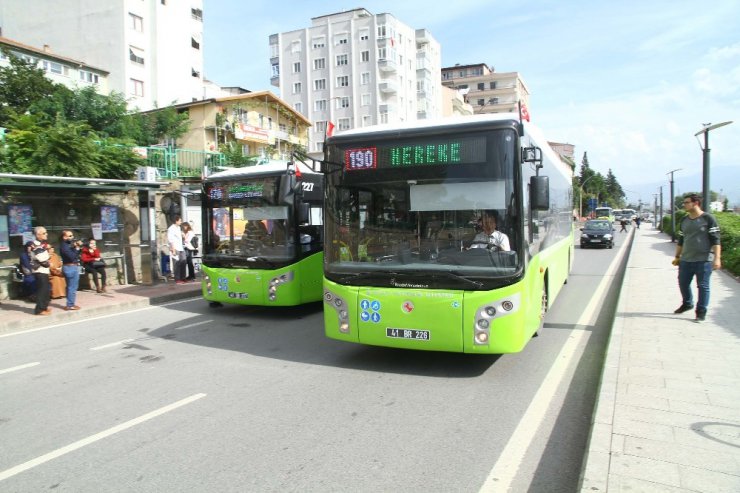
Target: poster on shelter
109,218
19,219
4,236
97,231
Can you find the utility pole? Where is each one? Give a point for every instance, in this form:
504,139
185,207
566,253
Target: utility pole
660,227
706,197
673,207
655,210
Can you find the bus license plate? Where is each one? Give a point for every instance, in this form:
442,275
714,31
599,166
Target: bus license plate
421,335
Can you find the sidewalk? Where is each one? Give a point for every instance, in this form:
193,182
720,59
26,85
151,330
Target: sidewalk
18,314
667,416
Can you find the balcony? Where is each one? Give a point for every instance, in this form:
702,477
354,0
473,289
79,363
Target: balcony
386,65
423,36
386,108
388,86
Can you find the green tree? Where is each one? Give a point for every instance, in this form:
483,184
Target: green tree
21,85
155,127
614,191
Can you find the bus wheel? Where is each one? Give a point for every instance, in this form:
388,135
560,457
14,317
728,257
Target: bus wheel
543,307
215,304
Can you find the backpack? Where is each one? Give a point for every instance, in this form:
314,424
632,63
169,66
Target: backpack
194,242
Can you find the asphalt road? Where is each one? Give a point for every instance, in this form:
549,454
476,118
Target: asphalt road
184,397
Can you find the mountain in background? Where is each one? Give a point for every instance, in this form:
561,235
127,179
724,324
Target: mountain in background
724,180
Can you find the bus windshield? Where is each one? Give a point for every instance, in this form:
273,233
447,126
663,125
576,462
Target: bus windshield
410,213
248,224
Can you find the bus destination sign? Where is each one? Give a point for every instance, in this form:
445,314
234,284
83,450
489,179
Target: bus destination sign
438,152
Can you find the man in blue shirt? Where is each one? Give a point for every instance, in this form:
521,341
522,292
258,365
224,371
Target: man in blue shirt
697,254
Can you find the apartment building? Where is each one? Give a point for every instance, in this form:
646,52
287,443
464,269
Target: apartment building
486,90
356,69
258,123
152,49
62,70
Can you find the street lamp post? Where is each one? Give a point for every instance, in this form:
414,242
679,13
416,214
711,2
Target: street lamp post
705,159
655,210
580,200
661,209
673,207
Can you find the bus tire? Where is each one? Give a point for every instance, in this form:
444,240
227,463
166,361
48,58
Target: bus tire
543,307
215,304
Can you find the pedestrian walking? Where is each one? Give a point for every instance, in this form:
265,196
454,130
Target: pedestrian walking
70,251
39,256
698,253
623,223
177,249
638,220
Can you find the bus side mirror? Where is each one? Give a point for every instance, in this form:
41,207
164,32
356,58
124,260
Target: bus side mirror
303,212
539,190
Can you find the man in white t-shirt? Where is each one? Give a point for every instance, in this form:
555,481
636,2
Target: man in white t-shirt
177,249
490,237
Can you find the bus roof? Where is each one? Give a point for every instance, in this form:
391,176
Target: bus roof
272,167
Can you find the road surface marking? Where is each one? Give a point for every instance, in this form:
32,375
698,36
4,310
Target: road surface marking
19,367
94,438
76,321
118,343
504,471
194,324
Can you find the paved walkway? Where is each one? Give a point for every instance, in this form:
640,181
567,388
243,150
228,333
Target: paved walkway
18,314
668,413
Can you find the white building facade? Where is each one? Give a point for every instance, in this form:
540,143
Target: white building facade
152,49
356,69
59,69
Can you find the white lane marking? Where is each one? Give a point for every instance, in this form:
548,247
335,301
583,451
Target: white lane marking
507,465
188,300
194,324
94,438
118,343
19,367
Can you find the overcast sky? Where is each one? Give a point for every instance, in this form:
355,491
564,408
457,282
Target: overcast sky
629,82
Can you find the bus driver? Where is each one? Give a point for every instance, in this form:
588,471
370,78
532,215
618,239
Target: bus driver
490,237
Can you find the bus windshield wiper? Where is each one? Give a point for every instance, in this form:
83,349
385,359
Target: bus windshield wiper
262,259
457,277
356,276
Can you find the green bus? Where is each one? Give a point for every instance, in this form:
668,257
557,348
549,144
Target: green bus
403,210
263,235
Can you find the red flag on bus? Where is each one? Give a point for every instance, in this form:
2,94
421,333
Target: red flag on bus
329,129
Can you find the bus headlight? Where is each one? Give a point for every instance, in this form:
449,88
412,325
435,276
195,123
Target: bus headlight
486,315
277,281
340,307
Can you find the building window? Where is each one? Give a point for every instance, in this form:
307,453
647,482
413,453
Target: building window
319,63
381,31
296,67
136,55
295,47
276,70
341,39
298,107
194,73
343,124
296,88
365,78
55,68
364,34
343,81
245,150
319,42
197,14
319,84
493,101
365,56
343,102
137,22
319,105
342,60
194,43
462,86
137,88
366,120
481,86
365,100
381,53
90,77
320,127
481,102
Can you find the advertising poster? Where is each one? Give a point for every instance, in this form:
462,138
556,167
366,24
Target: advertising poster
19,219
97,231
109,218
4,236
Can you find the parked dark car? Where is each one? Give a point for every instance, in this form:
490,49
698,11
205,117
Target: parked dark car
597,232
